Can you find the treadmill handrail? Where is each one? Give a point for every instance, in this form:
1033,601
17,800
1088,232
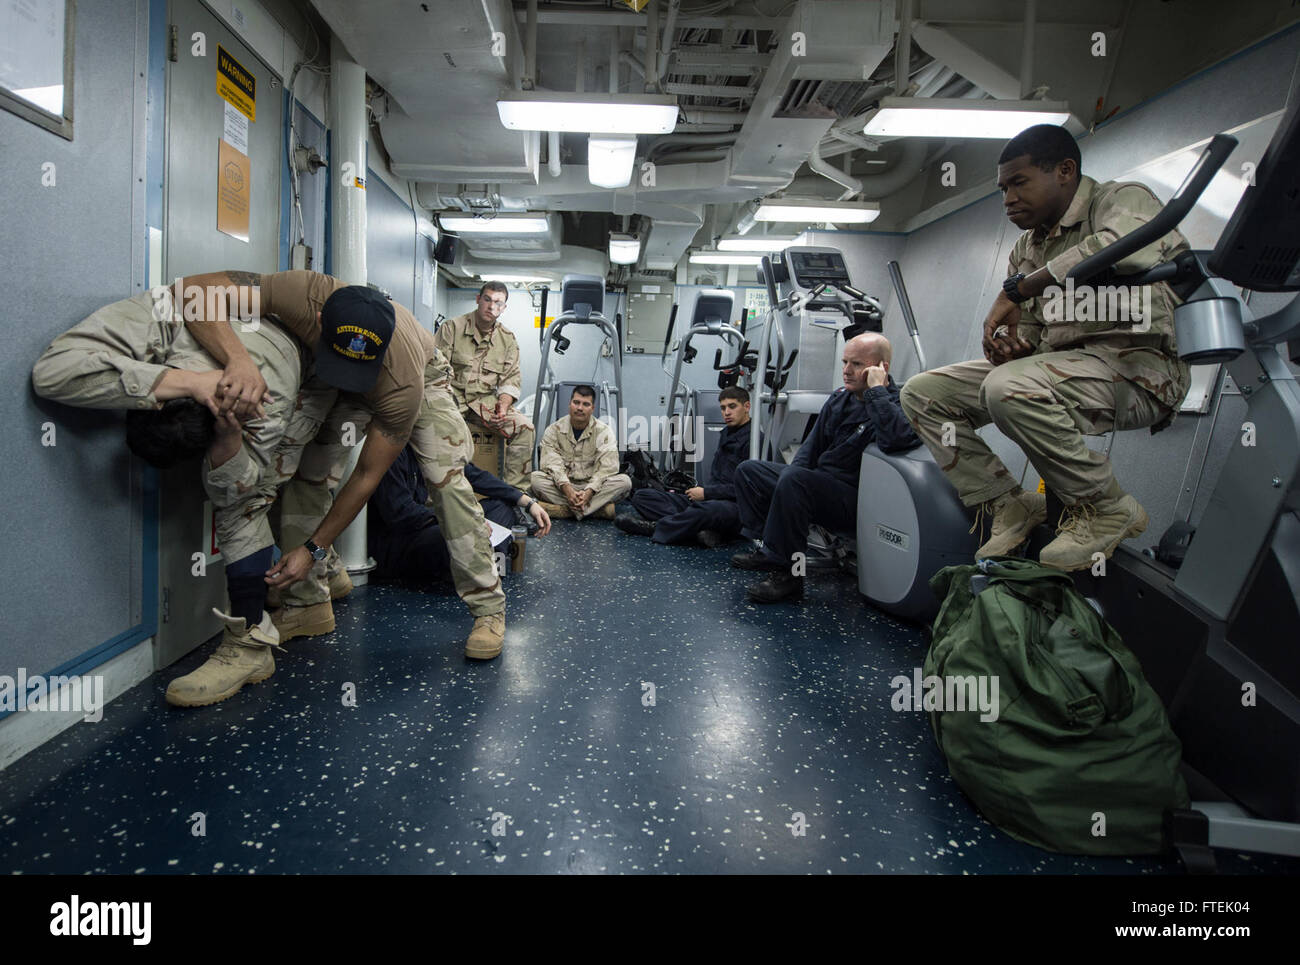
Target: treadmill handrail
1170,216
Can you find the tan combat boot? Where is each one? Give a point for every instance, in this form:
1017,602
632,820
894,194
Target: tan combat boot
557,510
606,511
303,621
1015,514
1095,527
242,657
340,586
484,641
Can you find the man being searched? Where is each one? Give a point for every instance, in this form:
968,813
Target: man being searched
779,502
706,514
403,532
485,377
579,475
1049,374
136,354
376,367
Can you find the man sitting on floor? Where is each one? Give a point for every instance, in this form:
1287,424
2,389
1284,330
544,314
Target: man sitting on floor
780,502
579,476
403,532
707,514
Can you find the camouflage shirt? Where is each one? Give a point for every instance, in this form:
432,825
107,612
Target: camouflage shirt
483,366
1105,318
586,461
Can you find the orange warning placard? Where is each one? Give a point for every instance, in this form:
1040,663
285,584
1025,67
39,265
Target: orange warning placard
234,188
235,84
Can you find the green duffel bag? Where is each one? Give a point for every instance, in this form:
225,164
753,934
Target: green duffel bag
1077,755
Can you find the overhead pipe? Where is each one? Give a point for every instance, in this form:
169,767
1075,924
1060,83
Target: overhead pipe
873,186
553,153
529,79
629,58
687,140
700,116
699,156
666,47
613,61
903,49
1027,49
850,184
652,48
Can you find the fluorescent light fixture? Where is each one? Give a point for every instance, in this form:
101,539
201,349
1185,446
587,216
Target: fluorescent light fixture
723,258
610,158
501,224
756,243
958,117
531,110
834,212
624,249
510,278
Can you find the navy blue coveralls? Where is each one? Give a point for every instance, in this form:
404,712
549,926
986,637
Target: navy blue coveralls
779,502
404,537
679,518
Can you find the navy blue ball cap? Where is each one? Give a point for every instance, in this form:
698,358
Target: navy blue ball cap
356,325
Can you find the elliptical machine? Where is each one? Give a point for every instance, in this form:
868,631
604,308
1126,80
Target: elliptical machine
582,299
814,309
710,316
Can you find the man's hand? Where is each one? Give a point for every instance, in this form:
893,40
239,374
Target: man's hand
695,493
571,496
1001,343
584,499
876,375
293,566
228,436
539,516
243,390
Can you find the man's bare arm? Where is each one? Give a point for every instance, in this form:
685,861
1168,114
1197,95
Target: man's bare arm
207,303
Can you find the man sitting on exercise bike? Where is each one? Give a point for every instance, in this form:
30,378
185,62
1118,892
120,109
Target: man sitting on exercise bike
1048,379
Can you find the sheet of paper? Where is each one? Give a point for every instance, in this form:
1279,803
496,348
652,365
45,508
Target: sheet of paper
236,130
499,533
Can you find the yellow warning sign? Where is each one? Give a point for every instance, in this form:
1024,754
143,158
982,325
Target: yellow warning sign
1042,487
235,84
234,188
637,5
537,320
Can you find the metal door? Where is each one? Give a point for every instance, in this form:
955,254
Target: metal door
196,122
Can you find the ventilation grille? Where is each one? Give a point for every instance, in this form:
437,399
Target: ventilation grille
820,98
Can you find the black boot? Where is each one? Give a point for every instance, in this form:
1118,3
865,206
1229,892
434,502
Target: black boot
756,560
712,538
776,588
634,525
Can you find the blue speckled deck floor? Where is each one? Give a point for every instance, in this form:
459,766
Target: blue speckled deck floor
760,712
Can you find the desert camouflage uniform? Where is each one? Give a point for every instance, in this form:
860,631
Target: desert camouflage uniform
113,360
588,462
333,422
484,367
1084,377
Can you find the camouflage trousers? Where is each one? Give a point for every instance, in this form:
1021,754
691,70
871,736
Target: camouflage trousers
441,442
1045,403
520,437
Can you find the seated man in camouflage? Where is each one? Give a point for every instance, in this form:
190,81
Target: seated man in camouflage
579,476
1047,379
485,377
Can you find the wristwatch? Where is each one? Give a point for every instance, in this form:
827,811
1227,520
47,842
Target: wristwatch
1011,288
317,552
